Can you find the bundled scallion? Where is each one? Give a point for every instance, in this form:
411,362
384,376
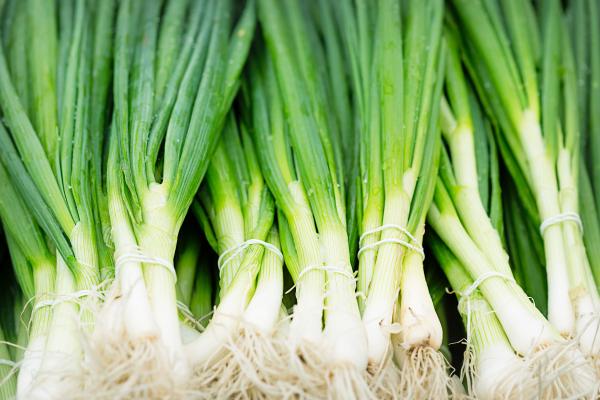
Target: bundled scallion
490,369
237,213
523,65
35,269
47,153
396,64
298,145
160,149
365,137
467,216
584,20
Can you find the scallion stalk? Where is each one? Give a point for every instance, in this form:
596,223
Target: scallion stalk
539,137
161,149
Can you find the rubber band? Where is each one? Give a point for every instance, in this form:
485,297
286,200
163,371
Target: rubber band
413,244
185,310
560,218
134,254
233,252
325,268
9,363
392,328
63,298
384,227
417,249
473,287
360,294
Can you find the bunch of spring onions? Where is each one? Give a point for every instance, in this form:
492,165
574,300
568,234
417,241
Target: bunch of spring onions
237,212
194,210
584,19
396,98
175,78
466,215
299,147
530,87
35,267
51,153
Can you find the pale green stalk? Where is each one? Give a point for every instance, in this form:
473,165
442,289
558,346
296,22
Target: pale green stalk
534,101
491,367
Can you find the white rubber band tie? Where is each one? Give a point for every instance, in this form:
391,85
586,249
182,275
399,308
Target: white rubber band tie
326,268
185,310
413,244
417,249
9,363
63,298
560,218
134,254
383,228
473,287
233,252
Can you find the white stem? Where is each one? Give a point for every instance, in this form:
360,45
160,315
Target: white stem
223,326
418,319
385,284
44,277
263,310
344,330
157,239
63,348
282,330
306,326
137,314
377,325
587,328
466,195
480,228
543,180
138,317
494,363
31,364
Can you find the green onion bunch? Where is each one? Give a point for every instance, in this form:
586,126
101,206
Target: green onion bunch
176,71
583,18
237,212
53,99
299,147
530,87
521,62
299,199
396,58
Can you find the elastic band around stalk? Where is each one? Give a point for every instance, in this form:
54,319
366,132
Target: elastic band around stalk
560,218
135,254
188,315
233,252
413,244
9,363
63,298
473,287
325,268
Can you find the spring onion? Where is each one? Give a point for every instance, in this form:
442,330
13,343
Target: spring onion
239,213
466,215
160,149
190,210
539,139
